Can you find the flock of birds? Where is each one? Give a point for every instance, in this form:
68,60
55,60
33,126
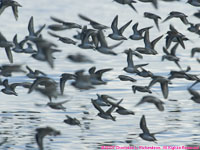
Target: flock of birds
93,37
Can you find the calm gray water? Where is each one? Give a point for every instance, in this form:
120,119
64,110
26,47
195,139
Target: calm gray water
19,116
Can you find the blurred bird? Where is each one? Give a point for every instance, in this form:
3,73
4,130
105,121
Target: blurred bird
152,99
10,3
65,40
96,75
72,121
163,83
7,70
126,78
127,2
68,25
93,23
7,45
42,132
104,48
34,74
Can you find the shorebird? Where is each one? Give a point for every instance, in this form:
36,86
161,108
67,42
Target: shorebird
58,105
63,39
183,74
146,135
149,46
29,49
120,110
172,55
195,28
102,100
104,48
96,75
131,68
93,23
7,70
32,33
18,47
163,83
137,34
34,74
134,52
80,35
7,45
117,33
72,121
42,132
79,58
82,81
105,114
154,17
10,88
10,3
152,99
68,25
57,27
65,77
180,15
85,43
48,87
174,35
45,49
140,89
145,73
126,78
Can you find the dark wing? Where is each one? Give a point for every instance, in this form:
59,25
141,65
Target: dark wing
143,125
102,39
131,5
57,20
153,43
15,11
193,92
114,25
29,69
53,34
97,106
40,30
166,51
121,30
2,38
165,90
173,50
9,54
30,26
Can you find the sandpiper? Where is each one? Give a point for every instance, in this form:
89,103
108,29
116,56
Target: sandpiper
117,33
146,135
152,99
6,3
